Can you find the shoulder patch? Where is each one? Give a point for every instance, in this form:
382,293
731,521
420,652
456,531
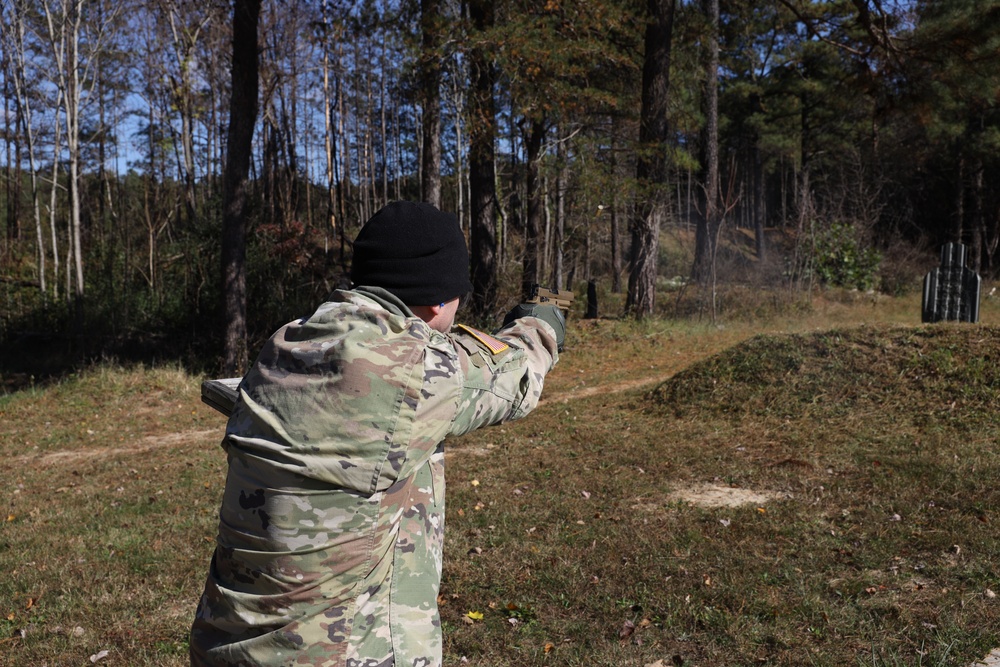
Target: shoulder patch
494,345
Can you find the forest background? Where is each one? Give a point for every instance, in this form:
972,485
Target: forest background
152,159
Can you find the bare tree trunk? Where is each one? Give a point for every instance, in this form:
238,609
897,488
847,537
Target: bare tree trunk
13,180
651,167
53,200
362,139
344,182
545,239
384,139
616,251
148,185
331,205
184,45
978,240
460,175
958,214
74,72
242,118
12,32
709,222
73,110
482,169
758,210
533,193
430,88
64,42
560,230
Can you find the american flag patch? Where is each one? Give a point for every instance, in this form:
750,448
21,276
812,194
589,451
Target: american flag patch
495,346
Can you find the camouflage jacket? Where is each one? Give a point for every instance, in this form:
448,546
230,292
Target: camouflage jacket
332,520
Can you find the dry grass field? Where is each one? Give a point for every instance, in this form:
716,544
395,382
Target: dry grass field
816,488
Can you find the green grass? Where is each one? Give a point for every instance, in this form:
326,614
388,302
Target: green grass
578,533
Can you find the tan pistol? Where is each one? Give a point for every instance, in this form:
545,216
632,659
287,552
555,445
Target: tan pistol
559,298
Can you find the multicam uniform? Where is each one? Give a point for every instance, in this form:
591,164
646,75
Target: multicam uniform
332,524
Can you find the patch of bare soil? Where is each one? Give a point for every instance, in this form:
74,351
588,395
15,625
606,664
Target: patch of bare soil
714,495
469,451
992,660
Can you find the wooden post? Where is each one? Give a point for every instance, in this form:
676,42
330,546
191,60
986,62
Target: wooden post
591,300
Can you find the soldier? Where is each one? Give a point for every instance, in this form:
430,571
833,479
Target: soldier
332,522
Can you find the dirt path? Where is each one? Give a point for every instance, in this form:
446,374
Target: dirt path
618,387
146,444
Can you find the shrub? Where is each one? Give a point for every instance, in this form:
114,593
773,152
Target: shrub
841,259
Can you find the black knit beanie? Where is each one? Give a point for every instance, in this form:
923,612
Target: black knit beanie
414,251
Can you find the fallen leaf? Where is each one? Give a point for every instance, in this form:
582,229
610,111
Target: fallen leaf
549,647
10,517
658,663
628,627
474,482
475,615
101,655
990,594
585,494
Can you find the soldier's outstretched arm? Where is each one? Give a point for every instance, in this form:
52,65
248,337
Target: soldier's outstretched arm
504,372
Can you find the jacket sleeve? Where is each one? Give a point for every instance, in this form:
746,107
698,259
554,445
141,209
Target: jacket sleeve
503,373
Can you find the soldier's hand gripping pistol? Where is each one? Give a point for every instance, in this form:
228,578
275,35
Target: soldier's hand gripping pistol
547,305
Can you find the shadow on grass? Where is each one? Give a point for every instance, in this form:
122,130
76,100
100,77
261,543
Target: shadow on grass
34,357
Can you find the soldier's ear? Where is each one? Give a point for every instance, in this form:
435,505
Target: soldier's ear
426,313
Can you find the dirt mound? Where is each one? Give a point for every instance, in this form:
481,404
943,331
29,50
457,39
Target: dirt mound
931,370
